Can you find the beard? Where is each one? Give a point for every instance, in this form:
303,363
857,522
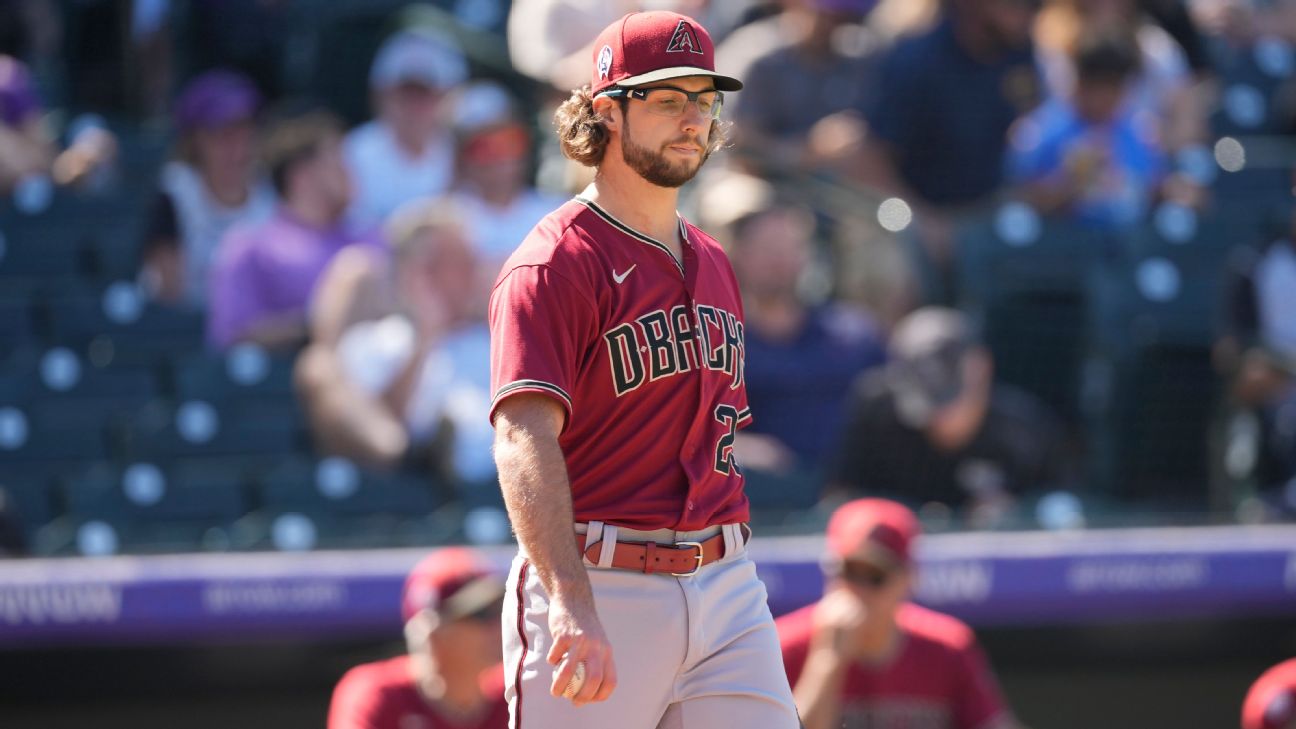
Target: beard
654,167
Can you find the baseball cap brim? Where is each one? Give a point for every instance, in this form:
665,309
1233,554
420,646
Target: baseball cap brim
722,82
480,593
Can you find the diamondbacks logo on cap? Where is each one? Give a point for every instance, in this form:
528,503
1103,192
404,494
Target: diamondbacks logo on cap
685,40
605,61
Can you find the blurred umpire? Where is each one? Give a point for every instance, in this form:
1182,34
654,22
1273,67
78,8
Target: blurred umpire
864,656
451,677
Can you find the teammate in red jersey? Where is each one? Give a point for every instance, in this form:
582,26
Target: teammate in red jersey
864,656
617,366
451,677
1271,702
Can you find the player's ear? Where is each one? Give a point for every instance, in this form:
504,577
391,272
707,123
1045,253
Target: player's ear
608,112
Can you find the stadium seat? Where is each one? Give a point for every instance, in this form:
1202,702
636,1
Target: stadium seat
161,508
137,330
1151,387
1029,296
244,373
334,486
196,428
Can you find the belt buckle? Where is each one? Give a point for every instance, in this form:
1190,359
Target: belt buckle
697,566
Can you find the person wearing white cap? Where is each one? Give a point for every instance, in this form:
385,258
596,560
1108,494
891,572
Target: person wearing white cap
407,150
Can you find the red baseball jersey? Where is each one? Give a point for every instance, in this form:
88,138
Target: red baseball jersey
382,695
939,679
645,354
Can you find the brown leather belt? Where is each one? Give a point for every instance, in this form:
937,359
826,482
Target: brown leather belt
681,559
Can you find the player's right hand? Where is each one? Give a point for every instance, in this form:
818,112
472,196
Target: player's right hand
838,618
578,636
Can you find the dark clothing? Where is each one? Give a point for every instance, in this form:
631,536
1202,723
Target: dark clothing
1019,448
799,387
945,115
786,93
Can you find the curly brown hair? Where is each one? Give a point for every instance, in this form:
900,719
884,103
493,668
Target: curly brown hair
584,139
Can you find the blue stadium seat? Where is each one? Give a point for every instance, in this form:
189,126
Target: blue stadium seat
196,428
244,373
1027,290
1152,389
334,486
161,508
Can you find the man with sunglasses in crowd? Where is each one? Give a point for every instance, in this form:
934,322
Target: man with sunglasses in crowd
865,656
450,678
617,366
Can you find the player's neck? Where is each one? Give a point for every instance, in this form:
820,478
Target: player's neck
879,645
647,208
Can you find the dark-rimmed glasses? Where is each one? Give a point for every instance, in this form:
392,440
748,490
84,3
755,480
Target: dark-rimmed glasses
671,101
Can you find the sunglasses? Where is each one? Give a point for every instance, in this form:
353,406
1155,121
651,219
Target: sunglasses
671,101
861,574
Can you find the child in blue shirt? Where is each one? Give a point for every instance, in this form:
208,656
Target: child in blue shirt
1089,156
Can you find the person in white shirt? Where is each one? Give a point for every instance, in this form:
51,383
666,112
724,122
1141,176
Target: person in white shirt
494,194
411,361
407,151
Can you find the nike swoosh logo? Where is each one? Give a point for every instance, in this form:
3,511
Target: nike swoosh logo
619,277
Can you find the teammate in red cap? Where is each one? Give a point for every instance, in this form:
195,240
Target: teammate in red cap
1271,702
617,366
863,656
451,678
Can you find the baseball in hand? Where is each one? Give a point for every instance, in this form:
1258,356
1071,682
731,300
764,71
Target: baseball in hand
577,680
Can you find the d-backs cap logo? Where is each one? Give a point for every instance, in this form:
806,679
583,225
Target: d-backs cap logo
684,39
605,61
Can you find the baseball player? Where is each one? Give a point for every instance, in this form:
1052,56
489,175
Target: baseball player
617,367
863,656
450,678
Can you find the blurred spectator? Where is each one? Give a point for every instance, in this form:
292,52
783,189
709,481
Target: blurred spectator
1163,92
1271,701
805,98
1085,156
549,40
801,357
404,372
1242,22
451,677
933,426
863,655
26,146
212,184
494,195
407,151
1257,352
264,273
940,116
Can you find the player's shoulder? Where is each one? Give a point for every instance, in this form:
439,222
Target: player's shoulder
796,628
561,240
946,632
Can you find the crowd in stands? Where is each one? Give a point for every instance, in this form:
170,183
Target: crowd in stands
990,251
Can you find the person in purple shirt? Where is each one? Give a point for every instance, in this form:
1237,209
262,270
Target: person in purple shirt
264,273
26,147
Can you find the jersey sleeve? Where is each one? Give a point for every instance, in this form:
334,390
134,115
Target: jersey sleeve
541,324
979,703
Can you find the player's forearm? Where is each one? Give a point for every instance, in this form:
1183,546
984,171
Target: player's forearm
818,692
533,478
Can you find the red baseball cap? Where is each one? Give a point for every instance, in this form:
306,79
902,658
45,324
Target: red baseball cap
452,582
1271,702
641,48
877,531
